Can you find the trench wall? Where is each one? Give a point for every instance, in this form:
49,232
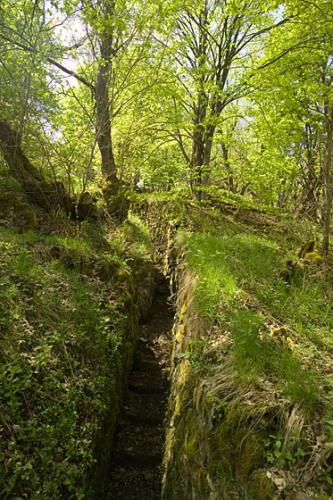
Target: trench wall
137,293
211,450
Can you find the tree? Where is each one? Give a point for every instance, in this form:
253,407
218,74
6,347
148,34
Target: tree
328,180
108,46
213,40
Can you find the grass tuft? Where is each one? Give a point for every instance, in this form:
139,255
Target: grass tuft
276,328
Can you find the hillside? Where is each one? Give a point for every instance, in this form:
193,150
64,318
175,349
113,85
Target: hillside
250,407
166,263
71,299
251,382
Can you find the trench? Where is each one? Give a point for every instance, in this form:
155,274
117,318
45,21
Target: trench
136,465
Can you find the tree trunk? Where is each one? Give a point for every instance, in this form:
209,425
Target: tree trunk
198,144
311,181
208,144
48,195
114,190
197,161
103,121
309,204
328,181
226,163
200,111
202,144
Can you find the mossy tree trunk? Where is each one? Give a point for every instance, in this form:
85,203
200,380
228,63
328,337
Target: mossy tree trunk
44,193
114,191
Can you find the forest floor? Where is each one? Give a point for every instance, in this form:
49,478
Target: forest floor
64,295
256,356
68,305
136,468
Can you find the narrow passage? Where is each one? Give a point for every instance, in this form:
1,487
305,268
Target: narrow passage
136,470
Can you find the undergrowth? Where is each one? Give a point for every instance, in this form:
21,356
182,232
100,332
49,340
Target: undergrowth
277,328
279,337
252,385
61,323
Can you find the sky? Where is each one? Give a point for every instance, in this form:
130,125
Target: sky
69,29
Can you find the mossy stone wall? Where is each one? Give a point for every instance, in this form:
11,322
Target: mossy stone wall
205,457
136,302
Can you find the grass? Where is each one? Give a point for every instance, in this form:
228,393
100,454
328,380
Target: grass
265,347
51,339
61,324
133,235
277,329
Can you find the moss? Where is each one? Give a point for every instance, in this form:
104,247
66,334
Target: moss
313,257
186,472
193,435
182,312
17,211
260,486
179,335
178,405
115,193
251,454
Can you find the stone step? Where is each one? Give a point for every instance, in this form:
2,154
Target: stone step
152,366
145,363
142,419
146,383
139,445
145,408
129,458
144,353
134,484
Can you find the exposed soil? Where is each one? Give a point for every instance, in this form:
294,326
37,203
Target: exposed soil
136,469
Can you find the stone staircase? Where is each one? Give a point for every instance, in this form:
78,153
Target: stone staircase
136,471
